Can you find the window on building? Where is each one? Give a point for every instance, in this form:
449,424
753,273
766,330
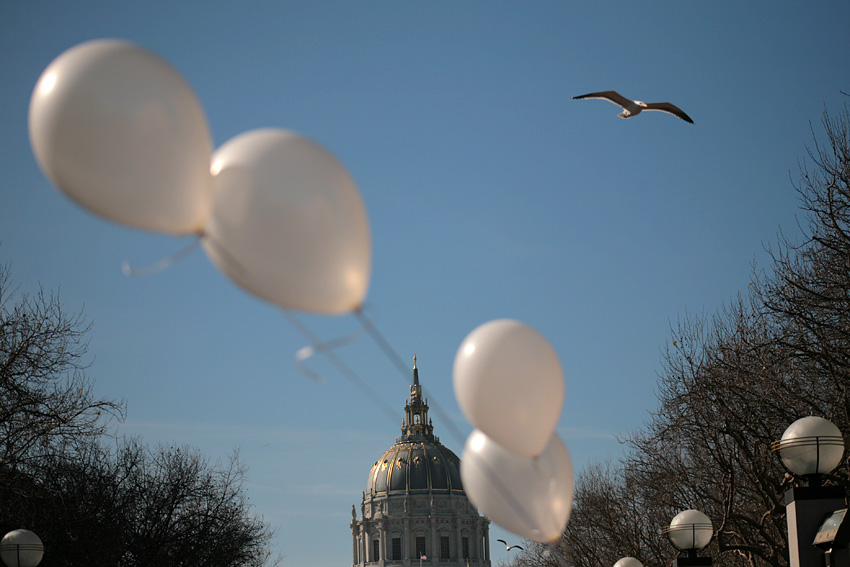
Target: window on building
396,549
420,547
376,550
444,547
464,542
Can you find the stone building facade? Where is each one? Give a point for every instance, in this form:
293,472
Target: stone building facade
414,510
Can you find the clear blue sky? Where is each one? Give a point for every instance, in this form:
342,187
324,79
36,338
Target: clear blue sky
490,194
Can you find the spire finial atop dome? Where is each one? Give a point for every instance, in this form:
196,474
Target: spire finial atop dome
415,372
416,423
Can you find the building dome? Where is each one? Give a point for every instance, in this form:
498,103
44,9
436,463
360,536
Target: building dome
413,467
414,510
417,462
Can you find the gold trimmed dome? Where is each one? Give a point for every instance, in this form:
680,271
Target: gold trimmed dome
417,462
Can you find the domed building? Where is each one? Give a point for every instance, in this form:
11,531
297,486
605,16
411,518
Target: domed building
414,508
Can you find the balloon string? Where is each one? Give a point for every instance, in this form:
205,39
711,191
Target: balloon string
226,255
163,264
390,353
308,351
320,346
316,345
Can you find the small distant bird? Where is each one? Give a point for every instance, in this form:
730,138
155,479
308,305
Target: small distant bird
635,107
509,547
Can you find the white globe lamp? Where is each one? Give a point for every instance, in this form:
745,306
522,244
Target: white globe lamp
810,446
690,530
628,562
21,548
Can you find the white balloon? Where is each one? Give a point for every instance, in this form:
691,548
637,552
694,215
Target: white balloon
121,132
288,223
531,497
509,383
628,562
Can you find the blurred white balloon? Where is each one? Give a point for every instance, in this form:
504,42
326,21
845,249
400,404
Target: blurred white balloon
531,497
288,223
122,133
509,383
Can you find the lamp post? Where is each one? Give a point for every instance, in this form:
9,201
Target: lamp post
21,548
689,532
810,448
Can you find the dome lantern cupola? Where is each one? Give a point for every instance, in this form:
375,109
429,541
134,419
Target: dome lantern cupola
416,425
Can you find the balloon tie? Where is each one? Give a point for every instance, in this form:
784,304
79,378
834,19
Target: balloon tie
326,348
302,354
161,265
225,253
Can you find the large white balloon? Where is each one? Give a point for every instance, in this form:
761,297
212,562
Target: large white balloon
509,383
531,497
121,132
288,223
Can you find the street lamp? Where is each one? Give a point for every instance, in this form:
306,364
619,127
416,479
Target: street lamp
21,548
689,532
628,562
810,448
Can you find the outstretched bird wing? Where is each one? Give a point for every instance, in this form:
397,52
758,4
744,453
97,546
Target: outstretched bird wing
502,541
670,109
610,96
518,547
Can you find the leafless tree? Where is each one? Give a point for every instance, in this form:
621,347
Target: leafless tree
810,289
95,499
133,506
730,383
45,395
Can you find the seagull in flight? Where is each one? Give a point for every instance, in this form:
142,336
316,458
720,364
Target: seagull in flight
509,547
635,107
